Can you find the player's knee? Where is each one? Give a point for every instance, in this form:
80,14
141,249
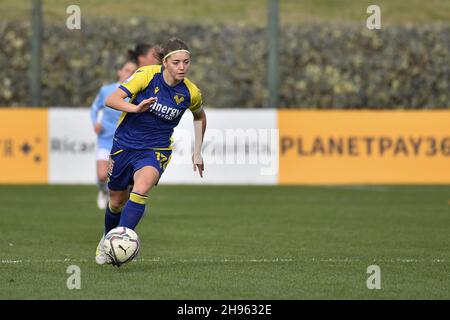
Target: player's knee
143,185
116,204
145,180
142,188
114,207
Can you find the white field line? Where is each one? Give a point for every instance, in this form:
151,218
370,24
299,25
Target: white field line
392,260
227,260
359,188
153,260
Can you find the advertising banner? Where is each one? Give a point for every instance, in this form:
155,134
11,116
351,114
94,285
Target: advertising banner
240,147
23,146
72,146
58,145
364,147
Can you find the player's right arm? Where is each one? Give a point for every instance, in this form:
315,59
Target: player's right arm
116,100
129,89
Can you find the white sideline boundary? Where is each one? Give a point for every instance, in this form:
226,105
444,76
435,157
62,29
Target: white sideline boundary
227,260
356,187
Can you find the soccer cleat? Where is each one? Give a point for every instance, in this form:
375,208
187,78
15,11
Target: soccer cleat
102,200
100,256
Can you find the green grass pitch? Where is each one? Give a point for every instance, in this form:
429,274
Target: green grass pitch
232,242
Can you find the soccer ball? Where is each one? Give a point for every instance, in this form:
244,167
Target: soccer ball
121,245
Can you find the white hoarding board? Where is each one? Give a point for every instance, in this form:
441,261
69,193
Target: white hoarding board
72,146
240,147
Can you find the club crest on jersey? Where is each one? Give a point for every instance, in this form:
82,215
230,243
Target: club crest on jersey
156,90
178,99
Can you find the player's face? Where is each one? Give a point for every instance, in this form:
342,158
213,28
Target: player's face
178,65
126,71
148,59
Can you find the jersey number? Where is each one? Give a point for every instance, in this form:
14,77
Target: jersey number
163,160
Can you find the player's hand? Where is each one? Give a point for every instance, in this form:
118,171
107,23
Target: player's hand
98,127
197,162
145,104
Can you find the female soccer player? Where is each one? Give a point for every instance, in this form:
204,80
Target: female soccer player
104,121
159,96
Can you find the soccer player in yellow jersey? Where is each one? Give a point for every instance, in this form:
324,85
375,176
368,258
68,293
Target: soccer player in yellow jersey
105,119
159,96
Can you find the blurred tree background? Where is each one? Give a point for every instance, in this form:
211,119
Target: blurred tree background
328,58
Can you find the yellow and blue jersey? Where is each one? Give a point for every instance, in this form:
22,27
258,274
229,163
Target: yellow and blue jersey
153,129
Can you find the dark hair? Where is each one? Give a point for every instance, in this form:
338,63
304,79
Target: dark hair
140,49
159,52
174,44
122,65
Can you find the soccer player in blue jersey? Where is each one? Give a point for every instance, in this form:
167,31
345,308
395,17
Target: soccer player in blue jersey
159,96
105,121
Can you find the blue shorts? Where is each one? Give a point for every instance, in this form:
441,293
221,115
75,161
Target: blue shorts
123,164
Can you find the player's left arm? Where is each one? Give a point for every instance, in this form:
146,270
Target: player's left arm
199,133
196,107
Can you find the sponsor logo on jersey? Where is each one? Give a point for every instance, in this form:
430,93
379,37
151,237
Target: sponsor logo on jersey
165,112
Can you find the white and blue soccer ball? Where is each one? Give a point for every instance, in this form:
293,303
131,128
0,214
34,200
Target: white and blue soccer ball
121,245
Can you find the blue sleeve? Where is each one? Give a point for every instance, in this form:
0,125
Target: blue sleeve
129,94
97,105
